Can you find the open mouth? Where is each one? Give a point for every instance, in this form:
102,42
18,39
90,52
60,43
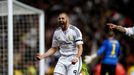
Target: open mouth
61,23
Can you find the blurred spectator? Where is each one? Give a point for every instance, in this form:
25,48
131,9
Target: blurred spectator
90,16
18,72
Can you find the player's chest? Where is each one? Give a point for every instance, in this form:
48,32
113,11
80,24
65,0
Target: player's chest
66,36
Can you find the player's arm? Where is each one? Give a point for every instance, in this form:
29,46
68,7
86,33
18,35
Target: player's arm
119,51
117,27
88,59
50,52
129,31
79,45
80,50
78,55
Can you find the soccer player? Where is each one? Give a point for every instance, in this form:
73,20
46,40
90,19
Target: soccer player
111,50
129,31
68,40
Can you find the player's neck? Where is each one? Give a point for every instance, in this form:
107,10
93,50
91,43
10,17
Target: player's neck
65,27
111,38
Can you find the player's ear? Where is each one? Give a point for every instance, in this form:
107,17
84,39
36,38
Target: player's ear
68,20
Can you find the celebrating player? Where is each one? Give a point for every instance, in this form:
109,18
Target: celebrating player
129,31
111,50
68,40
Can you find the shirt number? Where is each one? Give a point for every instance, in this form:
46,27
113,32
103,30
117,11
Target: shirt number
113,49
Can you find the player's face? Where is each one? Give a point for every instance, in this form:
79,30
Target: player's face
62,19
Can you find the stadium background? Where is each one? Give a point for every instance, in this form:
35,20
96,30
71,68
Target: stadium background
90,16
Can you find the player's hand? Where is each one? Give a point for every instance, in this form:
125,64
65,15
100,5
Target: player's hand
111,26
38,56
88,59
75,60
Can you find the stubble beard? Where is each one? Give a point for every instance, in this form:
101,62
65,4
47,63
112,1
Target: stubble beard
63,25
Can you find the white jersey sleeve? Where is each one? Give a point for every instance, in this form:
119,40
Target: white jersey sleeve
78,38
55,42
129,31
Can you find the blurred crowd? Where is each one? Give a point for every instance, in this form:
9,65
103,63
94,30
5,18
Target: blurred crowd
90,16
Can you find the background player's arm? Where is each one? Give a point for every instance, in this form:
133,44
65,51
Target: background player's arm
117,27
129,31
88,59
50,52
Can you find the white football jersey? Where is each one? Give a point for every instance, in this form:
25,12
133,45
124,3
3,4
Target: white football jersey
129,31
67,40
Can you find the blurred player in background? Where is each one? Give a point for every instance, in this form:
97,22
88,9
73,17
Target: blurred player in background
111,50
68,40
128,31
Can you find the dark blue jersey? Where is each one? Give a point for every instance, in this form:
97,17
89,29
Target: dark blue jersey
111,51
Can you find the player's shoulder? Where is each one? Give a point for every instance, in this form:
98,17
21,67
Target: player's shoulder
73,27
106,40
114,41
57,30
132,27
